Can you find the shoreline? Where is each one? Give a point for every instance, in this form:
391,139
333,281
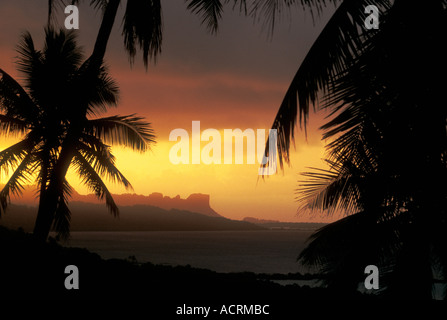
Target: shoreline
31,270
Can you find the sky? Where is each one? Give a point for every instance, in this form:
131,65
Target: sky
234,79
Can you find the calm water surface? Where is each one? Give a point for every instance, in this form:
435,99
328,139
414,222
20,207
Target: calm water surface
266,251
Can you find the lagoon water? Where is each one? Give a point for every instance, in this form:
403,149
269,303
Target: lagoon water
266,251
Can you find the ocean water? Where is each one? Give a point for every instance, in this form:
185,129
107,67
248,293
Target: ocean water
266,251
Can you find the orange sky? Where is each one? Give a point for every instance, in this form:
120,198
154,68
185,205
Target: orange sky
233,80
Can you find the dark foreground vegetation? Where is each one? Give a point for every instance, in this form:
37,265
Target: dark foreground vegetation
35,270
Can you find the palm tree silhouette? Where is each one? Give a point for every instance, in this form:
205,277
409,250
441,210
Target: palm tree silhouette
52,110
387,161
142,28
142,24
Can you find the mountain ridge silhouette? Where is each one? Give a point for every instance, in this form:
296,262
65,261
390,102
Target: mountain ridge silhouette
137,213
195,202
95,217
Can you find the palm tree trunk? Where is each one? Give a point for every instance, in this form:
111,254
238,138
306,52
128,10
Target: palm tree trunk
42,196
49,199
105,30
44,218
50,12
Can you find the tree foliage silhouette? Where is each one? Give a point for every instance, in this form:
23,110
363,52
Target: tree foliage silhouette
142,29
52,111
387,159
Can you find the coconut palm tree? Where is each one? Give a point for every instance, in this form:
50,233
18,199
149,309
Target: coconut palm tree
53,110
142,28
142,23
387,160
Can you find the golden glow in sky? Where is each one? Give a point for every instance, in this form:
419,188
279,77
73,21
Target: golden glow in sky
236,79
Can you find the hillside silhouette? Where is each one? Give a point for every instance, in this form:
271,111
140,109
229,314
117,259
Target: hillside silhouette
196,202
154,212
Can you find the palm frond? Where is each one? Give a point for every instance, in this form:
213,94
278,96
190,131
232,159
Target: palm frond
347,142
209,10
382,118
18,179
12,126
329,191
54,5
351,181
28,57
342,249
322,244
50,11
243,8
143,25
14,101
272,11
13,155
93,181
106,93
129,131
100,90
51,74
99,4
337,46
100,157
62,217
61,50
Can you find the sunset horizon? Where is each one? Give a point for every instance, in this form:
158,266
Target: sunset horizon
219,158
186,85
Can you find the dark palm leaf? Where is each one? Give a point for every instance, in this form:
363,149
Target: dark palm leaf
382,124
58,133
349,184
340,42
330,191
99,4
62,217
51,8
54,5
49,73
61,50
142,26
101,91
129,131
12,126
342,249
93,181
100,157
21,176
14,101
272,11
209,10
13,155
29,58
